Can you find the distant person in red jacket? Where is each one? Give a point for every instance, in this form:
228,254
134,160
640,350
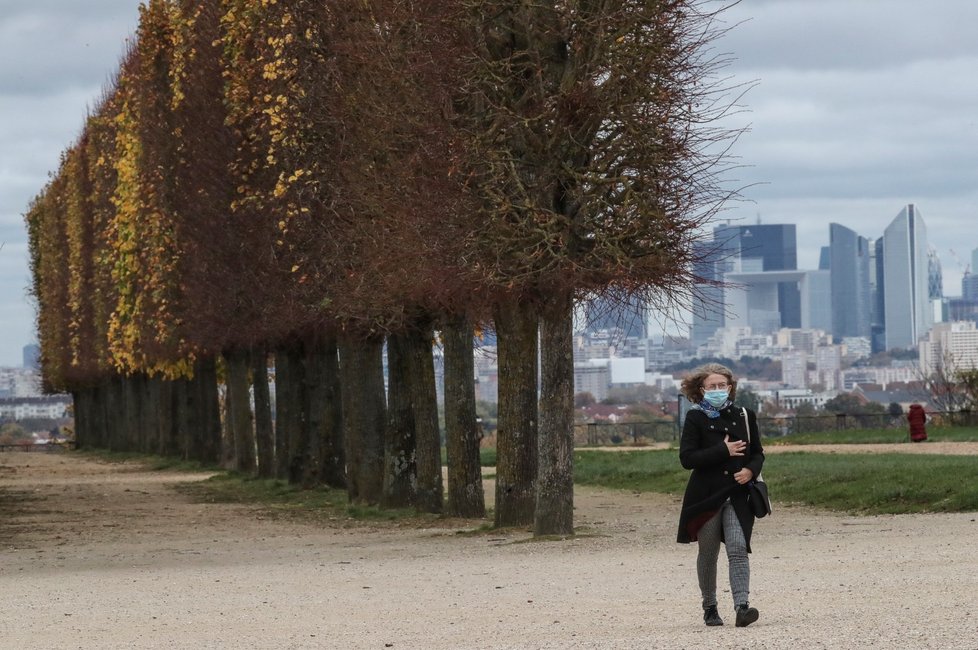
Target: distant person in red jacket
917,417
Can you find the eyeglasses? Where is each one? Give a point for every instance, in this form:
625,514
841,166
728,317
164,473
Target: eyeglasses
716,386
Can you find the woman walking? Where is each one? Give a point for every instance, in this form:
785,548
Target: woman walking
715,446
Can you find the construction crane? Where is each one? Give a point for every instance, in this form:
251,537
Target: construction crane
965,268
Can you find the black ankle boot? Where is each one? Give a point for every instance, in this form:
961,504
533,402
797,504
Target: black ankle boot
746,615
711,616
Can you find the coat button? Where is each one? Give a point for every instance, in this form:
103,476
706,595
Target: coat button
725,472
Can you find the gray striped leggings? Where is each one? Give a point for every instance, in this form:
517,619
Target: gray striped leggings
706,560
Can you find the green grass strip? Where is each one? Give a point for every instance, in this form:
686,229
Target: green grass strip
875,436
854,483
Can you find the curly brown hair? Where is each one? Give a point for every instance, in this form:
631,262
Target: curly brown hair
692,385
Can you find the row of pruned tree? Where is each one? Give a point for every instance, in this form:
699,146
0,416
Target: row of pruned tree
307,181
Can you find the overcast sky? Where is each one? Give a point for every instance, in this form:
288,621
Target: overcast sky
861,107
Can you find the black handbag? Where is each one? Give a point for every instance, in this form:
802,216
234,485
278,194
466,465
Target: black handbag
757,497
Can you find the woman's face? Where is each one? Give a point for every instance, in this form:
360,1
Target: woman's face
715,382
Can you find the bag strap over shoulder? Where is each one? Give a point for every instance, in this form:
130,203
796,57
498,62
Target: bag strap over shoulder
743,412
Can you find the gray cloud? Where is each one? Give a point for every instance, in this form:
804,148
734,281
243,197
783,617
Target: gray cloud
862,106
49,46
802,35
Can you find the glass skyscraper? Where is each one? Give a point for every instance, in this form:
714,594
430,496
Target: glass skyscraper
766,247
850,278
906,300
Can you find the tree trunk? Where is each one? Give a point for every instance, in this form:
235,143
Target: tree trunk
191,432
81,403
209,404
239,403
516,441
424,404
400,465
362,376
171,442
164,418
264,436
151,413
301,468
115,414
555,474
130,397
465,493
326,393
286,414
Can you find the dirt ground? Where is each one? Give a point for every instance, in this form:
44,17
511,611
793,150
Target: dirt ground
96,555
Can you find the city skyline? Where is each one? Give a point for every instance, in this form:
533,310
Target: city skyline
832,134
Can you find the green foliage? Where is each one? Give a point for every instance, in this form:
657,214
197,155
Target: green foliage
584,399
748,399
857,483
851,405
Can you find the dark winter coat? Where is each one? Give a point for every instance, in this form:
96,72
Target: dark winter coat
703,450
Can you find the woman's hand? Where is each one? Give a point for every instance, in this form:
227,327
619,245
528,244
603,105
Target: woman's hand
735,447
744,476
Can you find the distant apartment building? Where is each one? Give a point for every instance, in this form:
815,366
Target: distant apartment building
802,339
882,376
792,398
486,374
953,346
828,367
908,314
794,368
856,347
593,376
41,407
19,382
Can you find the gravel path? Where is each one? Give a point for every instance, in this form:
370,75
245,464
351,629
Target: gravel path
94,555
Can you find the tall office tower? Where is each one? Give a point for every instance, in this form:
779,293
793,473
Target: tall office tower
708,305
935,277
32,356
850,277
907,308
765,247
969,286
877,284
974,262
825,258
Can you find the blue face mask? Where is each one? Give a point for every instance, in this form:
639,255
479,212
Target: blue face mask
716,397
